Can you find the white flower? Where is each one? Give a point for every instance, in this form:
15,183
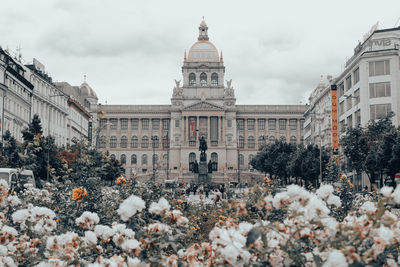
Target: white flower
334,200
368,206
3,183
182,221
52,263
9,230
386,191
331,224
7,261
230,254
14,200
160,207
158,227
396,195
386,234
133,262
103,231
130,245
335,259
280,199
324,191
91,237
3,250
20,216
245,227
130,206
87,220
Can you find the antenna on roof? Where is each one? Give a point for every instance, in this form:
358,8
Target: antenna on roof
84,77
19,53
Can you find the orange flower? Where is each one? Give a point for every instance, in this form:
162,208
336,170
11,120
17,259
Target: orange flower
121,179
193,228
57,220
351,185
204,214
79,193
180,201
197,227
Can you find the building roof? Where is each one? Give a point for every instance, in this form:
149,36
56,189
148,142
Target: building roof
203,50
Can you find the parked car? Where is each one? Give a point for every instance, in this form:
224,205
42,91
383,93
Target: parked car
17,178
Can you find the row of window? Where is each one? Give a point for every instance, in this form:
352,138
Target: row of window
144,159
203,79
134,142
262,140
271,124
378,111
145,123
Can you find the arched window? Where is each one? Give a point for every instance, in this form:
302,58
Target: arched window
123,159
241,141
214,161
214,79
251,142
282,138
192,79
144,159
203,79
241,159
124,141
102,142
251,156
155,141
271,139
113,141
192,157
262,140
293,140
145,142
155,159
112,156
133,159
134,141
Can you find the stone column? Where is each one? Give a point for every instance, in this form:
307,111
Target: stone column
221,138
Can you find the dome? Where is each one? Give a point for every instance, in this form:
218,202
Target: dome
203,51
86,90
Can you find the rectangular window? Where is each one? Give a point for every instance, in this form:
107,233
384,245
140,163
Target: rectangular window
214,129
356,75
342,127
240,124
356,96
348,103
177,123
251,124
103,124
155,124
381,67
282,124
380,111
165,123
350,121
379,89
145,124
113,124
124,124
271,124
357,116
301,124
341,108
341,89
261,124
293,124
229,123
348,82
134,124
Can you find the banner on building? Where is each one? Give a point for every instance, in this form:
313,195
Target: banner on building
90,127
335,136
192,131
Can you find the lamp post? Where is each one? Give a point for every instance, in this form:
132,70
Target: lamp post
154,139
167,147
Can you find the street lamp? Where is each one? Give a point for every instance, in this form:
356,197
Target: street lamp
154,139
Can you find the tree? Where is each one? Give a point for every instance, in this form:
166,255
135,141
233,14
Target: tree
33,129
10,151
112,168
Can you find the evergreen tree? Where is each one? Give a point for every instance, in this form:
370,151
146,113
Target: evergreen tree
34,128
112,168
10,151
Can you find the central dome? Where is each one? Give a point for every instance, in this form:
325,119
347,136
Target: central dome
203,51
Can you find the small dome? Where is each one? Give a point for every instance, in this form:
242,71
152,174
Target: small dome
203,51
86,90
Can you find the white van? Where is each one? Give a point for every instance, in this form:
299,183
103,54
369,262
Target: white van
15,177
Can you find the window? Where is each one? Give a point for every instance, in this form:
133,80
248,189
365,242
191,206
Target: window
113,141
251,123
293,124
145,124
124,141
272,124
348,103
134,141
203,79
341,108
124,124
240,124
342,126
251,156
123,159
145,142
301,124
380,111
103,124
293,140
133,159
341,89
356,75
134,124
165,123
144,159
350,121
214,160
271,139
261,124
114,124
282,124
357,115
229,123
241,141
192,79
155,141
112,156
356,96
379,89
155,159
348,82
214,79
177,123
251,142
155,124
381,67
241,159
262,140
282,138
102,142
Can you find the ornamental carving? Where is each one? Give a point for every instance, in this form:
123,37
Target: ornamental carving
203,106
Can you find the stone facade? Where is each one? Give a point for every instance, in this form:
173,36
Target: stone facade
202,106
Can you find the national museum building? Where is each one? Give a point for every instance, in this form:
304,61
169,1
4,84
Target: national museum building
201,106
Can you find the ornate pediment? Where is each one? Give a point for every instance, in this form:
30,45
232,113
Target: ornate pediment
203,106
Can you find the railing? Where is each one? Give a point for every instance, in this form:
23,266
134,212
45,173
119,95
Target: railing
192,142
214,143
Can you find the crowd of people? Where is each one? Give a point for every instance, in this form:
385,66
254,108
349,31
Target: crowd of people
203,190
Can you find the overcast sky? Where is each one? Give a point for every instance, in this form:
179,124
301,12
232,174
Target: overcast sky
131,51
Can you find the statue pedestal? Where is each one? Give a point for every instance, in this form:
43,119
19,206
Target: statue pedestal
203,173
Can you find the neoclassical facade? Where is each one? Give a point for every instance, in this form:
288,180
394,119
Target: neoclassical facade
201,105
